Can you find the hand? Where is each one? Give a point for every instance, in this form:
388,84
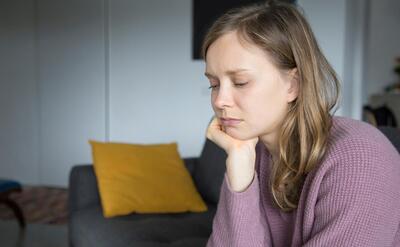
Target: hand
241,155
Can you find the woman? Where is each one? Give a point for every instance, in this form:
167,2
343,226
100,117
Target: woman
295,174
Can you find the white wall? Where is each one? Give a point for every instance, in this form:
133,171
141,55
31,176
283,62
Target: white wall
383,45
354,58
18,92
328,22
71,78
52,87
101,71
122,70
157,92
360,38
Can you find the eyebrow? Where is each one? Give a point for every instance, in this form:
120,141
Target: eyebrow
229,72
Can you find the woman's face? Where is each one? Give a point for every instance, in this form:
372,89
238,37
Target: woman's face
247,86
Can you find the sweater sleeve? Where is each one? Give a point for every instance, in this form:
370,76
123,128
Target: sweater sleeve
239,219
358,200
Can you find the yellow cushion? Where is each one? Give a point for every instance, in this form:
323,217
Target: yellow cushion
143,179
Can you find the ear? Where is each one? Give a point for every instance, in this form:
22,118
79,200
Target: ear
293,85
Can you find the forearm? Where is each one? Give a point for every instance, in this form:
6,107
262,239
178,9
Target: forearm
239,220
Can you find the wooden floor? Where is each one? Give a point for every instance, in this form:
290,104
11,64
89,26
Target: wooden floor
34,235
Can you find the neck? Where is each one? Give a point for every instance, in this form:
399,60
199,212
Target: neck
272,146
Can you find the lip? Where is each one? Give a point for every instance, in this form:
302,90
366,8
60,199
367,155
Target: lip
230,121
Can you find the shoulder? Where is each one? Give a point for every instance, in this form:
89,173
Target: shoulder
354,189
356,148
346,129
359,162
356,138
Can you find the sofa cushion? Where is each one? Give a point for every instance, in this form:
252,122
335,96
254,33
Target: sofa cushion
143,178
209,171
88,227
393,134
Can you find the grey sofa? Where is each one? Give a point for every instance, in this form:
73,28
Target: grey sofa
88,227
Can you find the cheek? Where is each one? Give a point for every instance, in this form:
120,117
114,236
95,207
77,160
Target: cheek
213,96
266,109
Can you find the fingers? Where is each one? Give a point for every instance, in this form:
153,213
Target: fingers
255,140
213,127
216,133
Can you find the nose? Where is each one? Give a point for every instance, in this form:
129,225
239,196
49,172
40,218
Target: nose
223,98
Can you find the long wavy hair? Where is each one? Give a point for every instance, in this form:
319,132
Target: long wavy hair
281,30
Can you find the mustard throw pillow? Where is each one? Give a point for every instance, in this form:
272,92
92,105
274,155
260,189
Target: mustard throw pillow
143,179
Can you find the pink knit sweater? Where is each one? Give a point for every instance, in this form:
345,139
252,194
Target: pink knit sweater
351,199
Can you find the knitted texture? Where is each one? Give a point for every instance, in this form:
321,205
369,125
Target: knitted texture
352,198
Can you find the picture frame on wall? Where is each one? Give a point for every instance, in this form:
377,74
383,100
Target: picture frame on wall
205,12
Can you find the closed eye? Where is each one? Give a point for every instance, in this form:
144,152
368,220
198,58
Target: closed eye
236,84
240,84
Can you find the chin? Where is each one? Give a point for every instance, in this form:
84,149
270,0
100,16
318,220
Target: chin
239,135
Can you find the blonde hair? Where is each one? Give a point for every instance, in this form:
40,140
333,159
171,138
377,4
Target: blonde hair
283,33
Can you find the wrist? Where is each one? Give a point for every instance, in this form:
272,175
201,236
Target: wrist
240,184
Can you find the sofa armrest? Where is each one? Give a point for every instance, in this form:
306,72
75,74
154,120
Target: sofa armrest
190,164
83,190
393,134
